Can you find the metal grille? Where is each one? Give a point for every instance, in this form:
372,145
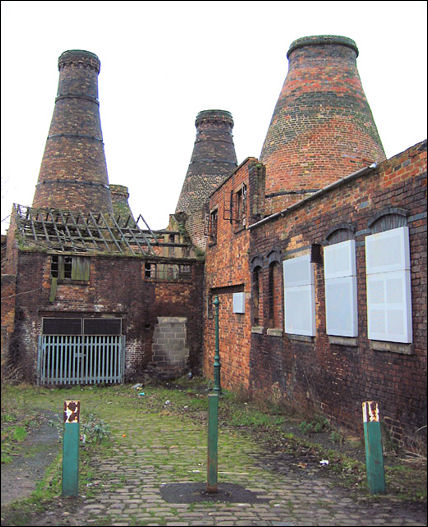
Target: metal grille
81,359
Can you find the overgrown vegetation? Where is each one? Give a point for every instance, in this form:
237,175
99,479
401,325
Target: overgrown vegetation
266,420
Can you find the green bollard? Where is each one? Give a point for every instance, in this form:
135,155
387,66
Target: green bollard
212,463
373,443
70,450
217,387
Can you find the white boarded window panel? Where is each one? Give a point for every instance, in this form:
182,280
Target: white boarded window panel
389,302
239,302
389,313
298,271
339,260
299,296
388,251
341,306
341,289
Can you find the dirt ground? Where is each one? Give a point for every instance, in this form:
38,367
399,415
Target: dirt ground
19,478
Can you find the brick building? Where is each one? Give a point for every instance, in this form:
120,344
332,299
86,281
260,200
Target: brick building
316,251
91,293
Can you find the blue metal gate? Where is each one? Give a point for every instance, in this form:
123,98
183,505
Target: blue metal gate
81,359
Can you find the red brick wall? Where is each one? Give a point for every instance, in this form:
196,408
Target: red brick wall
117,287
338,378
322,127
227,272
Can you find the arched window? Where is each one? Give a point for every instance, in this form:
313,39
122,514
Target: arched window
274,290
256,296
389,303
256,290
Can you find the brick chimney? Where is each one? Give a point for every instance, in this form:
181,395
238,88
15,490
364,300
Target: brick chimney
322,127
213,159
73,172
122,210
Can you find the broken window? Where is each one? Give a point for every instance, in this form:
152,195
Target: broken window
65,267
167,271
240,215
213,226
149,270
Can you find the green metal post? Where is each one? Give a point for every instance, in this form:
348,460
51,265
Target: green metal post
70,451
373,443
217,387
212,463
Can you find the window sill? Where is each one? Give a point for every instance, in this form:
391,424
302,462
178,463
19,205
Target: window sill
343,341
69,281
257,329
301,338
394,347
274,332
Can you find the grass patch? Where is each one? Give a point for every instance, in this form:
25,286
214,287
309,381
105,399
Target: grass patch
175,411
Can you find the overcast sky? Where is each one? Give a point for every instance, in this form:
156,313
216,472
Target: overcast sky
163,62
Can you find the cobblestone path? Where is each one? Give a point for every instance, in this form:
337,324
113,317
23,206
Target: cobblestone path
155,451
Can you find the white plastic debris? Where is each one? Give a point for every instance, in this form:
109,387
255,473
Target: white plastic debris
168,402
324,462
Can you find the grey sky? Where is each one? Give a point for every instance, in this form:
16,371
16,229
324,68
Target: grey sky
163,62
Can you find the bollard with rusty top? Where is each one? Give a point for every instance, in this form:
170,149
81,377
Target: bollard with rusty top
373,442
70,450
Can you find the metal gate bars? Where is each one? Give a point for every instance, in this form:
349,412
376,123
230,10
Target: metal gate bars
80,359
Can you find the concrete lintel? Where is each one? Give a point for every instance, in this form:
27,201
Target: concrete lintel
343,341
394,347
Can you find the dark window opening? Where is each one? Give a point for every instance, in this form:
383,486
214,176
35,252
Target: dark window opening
167,271
149,269
274,295
256,297
213,226
70,267
241,207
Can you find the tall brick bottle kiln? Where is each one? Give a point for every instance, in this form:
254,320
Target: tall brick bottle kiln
73,172
322,127
213,159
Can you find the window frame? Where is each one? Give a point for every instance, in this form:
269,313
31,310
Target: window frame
302,286
341,320
380,275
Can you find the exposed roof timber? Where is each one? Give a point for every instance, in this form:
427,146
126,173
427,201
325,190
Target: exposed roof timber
65,230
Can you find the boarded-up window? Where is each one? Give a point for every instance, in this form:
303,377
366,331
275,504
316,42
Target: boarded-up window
389,305
102,326
81,326
70,267
299,296
62,326
341,289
